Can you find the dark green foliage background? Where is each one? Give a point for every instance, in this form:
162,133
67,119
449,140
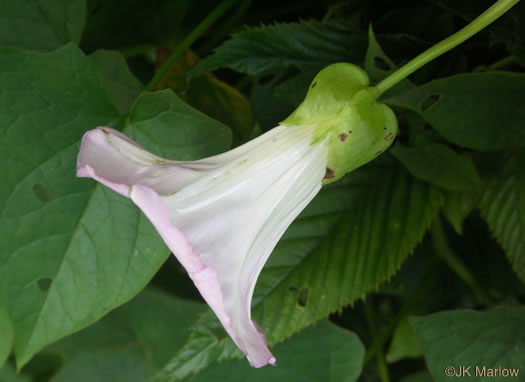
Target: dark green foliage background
410,264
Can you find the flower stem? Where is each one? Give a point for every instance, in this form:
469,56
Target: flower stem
212,17
487,17
442,248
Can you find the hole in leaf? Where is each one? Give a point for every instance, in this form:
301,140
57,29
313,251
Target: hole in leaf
302,297
429,101
381,64
44,283
43,194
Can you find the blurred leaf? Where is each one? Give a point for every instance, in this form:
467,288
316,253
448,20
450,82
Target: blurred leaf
113,24
6,337
463,338
439,165
308,45
352,238
268,110
293,91
503,206
8,374
404,343
130,343
478,111
422,376
208,343
459,205
95,249
123,85
42,25
126,364
324,352
222,102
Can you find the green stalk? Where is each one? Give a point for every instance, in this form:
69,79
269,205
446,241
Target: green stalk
212,17
440,243
380,355
486,18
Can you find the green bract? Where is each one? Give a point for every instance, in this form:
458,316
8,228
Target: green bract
347,117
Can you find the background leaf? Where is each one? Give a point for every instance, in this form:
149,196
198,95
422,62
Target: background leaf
306,45
336,357
124,87
468,338
439,165
129,343
471,109
8,374
6,339
113,24
503,206
95,249
41,25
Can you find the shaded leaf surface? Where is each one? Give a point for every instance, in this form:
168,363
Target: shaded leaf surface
477,111
324,352
113,24
6,336
129,343
503,206
41,25
123,86
468,338
439,165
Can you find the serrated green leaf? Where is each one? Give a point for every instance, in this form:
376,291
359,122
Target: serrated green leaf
123,85
130,343
478,111
503,207
71,250
346,251
306,45
6,337
41,25
458,339
439,165
324,352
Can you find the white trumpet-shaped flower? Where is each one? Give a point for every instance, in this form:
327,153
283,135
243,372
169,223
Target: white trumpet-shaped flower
221,216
